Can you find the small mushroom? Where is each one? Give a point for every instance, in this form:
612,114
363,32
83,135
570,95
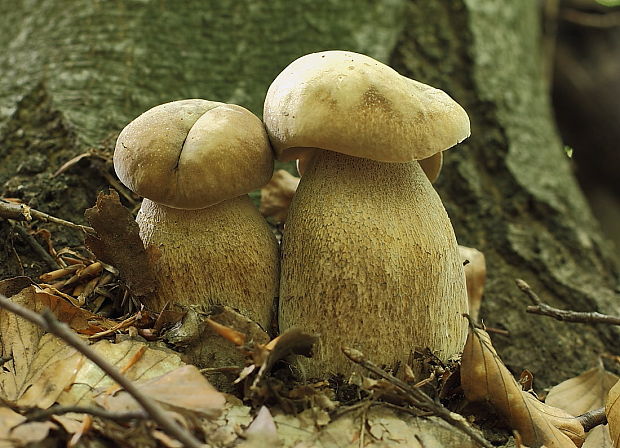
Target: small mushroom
369,257
194,161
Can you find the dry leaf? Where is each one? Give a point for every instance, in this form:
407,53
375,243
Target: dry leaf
90,380
475,277
262,432
582,393
292,342
276,196
485,378
598,438
44,370
382,428
14,433
183,389
612,410
118,242
41,365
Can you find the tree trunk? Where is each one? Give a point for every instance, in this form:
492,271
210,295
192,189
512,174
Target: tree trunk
75,72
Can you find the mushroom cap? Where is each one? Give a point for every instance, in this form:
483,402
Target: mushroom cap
191,154
352,104
431,166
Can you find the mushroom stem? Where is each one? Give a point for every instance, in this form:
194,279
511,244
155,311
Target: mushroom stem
238,267
370,260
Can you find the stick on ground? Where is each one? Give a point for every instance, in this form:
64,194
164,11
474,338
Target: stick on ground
418,397
21,212
44,414
48,322
543,309
592,419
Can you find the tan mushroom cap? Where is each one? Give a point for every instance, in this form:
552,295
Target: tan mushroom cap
194,153
352,104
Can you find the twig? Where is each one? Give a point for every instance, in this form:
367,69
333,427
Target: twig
592,419
363,421
44,414
418,397
21,212
564,315
34,244
591,20
118,186
48,322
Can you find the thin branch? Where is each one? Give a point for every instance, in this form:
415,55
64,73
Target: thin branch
592,419
44,414
418,397
591,20
48,322
34,244
543,309
21,212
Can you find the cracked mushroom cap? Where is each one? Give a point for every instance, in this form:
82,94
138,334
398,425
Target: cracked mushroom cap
352,104
192,154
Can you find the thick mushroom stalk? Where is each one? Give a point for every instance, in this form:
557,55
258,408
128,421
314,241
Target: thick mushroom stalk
194,161
369,257
370,260
219,255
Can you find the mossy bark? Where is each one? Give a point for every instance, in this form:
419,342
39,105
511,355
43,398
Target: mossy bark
76,72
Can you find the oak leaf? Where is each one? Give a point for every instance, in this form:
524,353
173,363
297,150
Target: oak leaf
612,410
118,242
484,377
582,394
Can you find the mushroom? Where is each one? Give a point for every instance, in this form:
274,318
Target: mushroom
431,165
194,161
276,196
369,256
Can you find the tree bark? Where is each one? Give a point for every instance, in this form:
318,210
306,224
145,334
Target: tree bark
75,72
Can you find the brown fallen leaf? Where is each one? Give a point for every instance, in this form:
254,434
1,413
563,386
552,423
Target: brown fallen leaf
40,365
118,242
598,438
484,377
262,431
277,194
90,380
43,369
15,433
382,428
183,390
475,277
612,410
584,393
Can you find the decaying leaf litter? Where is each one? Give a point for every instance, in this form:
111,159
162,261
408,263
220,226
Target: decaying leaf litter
55,385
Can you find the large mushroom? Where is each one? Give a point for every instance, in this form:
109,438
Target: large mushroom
194,161
369,257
